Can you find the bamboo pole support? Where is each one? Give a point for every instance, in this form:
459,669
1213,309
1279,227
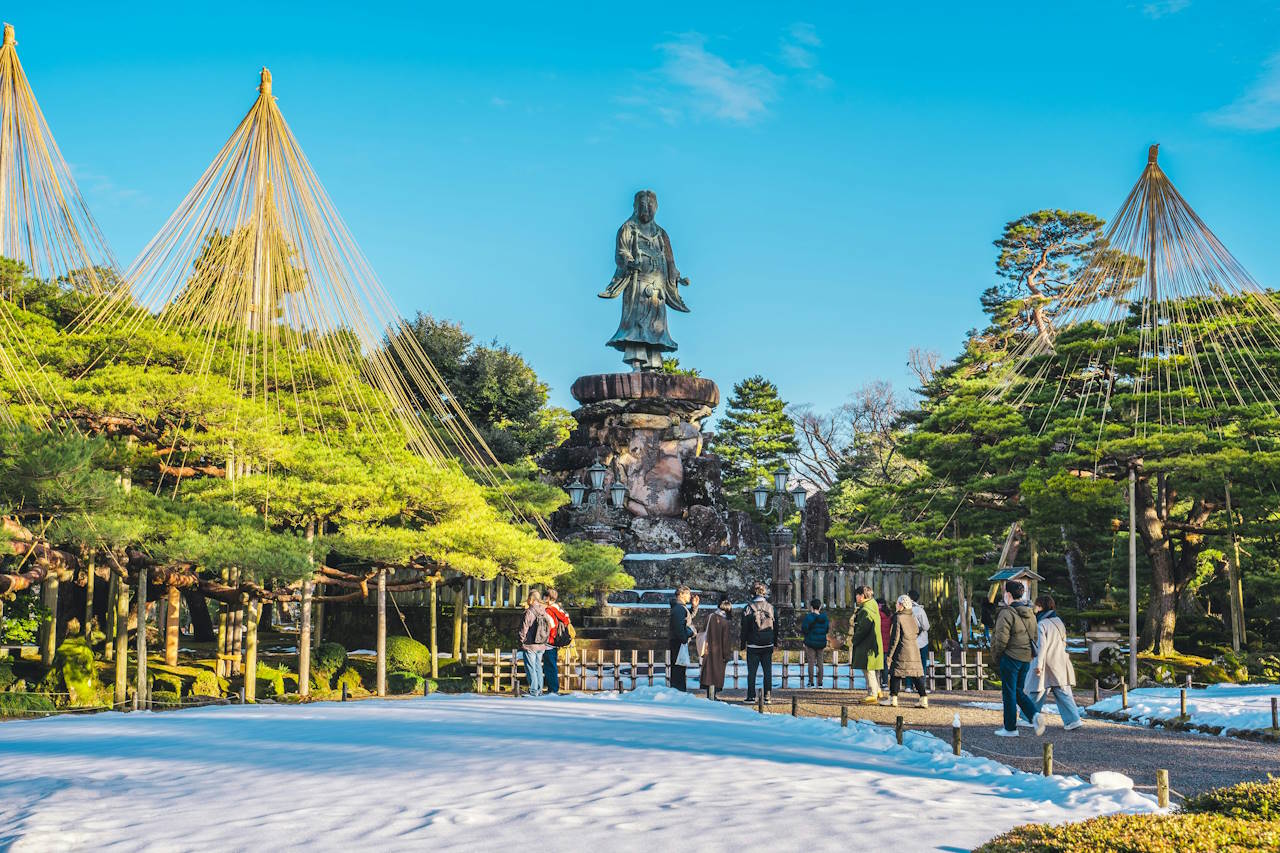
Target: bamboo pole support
434,599
1234,582
1133,569
49,630
140,689
253,612
121,641
1162,788
304,621
382,632
173,612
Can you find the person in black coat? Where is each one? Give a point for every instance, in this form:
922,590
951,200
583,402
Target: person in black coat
758,639
680,631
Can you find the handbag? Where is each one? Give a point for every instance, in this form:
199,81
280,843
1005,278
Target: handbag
701,643
682,659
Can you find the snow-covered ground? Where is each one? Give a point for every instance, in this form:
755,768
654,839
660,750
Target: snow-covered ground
1225,706
652,770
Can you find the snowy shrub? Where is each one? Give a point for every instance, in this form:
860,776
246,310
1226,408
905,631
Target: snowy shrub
1183,833
408,655
328,659
1250,800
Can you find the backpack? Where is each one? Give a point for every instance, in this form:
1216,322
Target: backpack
763,617
564,634
542,629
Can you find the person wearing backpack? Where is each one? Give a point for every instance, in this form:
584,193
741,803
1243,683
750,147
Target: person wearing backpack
814,628
562,635
1013,642
758,640
535,639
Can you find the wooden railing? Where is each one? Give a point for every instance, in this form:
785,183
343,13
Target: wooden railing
500,671
482,595
835,583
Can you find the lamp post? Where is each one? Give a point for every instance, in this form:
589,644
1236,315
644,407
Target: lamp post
596,508
777,502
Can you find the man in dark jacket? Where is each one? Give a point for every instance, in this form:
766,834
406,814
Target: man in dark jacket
814,627
1012,647
758,640
679,632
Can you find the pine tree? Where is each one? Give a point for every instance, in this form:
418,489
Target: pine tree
753,438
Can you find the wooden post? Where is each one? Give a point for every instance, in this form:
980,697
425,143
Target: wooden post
113,592
304,639
1275,714
466,610
382,633
121,642
634,656
584,675
1236,589
617,670
599,669
1048,758
434,601
1097,692
515,662
173,612
221,664
49,630
1124,694
89,579
1133,571
457,623
735,669
1035,568
344,691
666,664
897,729
955,735
795,706
140,689
786,665
253,612
844,716
1182,703
1162,788
760,701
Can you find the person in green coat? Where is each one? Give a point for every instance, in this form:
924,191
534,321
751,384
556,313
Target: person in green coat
868,646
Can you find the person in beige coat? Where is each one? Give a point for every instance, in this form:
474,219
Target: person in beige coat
1051,670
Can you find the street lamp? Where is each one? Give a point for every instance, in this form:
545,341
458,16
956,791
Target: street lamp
777,502
618,494
576,492
596,472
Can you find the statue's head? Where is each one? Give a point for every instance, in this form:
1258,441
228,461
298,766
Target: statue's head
646,206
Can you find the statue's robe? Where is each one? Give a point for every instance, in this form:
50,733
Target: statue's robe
647,292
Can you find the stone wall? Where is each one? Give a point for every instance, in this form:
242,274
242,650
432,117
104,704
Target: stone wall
713,575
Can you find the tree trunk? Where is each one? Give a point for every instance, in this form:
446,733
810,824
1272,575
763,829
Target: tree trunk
457,624
466,622
222,665
121,640
304,641
173,612
109,649
1075,570
198,613
89,579
382,632
252,613
1162,610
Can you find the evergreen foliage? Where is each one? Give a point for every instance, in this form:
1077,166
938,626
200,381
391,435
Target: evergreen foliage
753,438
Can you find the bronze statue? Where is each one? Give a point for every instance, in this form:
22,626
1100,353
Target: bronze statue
649,282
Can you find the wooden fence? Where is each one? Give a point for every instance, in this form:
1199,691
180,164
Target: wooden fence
587,670
480,595
835,583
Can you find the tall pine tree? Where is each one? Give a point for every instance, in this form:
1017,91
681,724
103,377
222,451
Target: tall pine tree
753,438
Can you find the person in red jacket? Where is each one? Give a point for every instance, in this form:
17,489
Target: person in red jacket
886,626
550,658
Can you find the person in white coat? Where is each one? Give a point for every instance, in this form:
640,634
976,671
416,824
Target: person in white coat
1051,670
922,623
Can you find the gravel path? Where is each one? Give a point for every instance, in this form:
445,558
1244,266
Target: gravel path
1195,762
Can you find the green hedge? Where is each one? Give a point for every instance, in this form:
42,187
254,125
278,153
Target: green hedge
1249,800
399,683
405,654
328,659
351,678
23,704
1176,833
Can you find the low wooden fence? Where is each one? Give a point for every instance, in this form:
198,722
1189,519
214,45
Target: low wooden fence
835,583
480,595
617,670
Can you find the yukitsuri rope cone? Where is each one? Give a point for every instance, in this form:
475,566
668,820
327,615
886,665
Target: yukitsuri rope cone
1162,325
44,221
257,260
44,224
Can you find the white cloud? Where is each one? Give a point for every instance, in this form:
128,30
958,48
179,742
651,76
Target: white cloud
734,92
798,46
1160,8
1259,107
499,102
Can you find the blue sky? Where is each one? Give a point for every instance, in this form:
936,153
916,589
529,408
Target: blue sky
832,176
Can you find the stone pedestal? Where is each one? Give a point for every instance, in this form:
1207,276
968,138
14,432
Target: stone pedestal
646,428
